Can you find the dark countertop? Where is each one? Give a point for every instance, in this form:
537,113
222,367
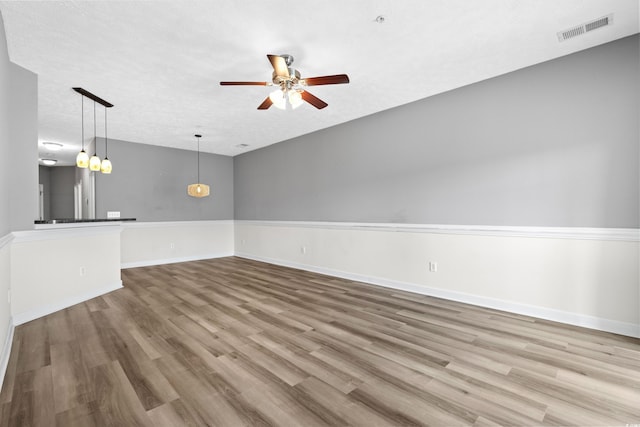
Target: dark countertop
76,221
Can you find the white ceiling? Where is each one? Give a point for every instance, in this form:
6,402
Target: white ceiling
160,62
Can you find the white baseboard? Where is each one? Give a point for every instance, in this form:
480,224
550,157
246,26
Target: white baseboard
591,322
147,263
20,318
6,352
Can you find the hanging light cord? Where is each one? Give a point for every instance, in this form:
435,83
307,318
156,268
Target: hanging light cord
95,151
106,147
82,103
198,159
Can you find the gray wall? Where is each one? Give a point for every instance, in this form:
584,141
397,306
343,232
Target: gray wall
556,144
5,84
149,183
63,179
23,148
44,178
18,144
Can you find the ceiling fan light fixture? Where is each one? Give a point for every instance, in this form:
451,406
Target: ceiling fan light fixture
278,99
295,99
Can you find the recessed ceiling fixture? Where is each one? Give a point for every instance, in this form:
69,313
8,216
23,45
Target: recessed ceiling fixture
587,27
49,162
82,160
198,189
53,146
380,19
291,90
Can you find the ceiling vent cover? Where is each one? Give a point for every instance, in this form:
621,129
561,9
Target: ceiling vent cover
585,28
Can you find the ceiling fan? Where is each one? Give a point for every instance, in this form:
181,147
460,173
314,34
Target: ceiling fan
292,88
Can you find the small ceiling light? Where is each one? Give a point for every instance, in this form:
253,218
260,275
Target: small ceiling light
49,162
380,19
82,159
198,189
105,166
53,146
94,161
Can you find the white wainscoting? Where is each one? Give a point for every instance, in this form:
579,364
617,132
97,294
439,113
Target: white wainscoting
582,276
52,269
154,243
6,323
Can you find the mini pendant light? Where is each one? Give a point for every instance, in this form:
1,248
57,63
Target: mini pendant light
105,166
82,159
198,189
94,162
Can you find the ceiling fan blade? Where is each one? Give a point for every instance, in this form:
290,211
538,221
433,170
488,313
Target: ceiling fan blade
245,84
279,65
265,104
313,100
326,80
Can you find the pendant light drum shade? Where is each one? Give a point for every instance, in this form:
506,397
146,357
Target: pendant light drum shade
198,189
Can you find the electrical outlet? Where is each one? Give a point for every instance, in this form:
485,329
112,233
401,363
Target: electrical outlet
433,266
172,245
83,271
113,214
303,250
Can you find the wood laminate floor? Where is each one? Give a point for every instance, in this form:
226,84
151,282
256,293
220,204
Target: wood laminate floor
235,342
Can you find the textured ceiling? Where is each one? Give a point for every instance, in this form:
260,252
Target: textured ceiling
160,62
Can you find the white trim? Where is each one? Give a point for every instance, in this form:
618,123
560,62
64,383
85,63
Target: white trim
623,328
160,224
65,232
5,240
578,233
147,263
20,318
6,352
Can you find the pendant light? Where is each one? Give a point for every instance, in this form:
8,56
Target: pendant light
94,162
198,189
105,166
82,159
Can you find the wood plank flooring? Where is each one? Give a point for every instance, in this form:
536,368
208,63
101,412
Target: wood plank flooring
233,342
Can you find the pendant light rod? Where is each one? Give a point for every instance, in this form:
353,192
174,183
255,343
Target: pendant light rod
89,95
106,146
82,103
95,135
198,136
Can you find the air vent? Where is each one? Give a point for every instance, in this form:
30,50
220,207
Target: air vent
585,28
594,25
